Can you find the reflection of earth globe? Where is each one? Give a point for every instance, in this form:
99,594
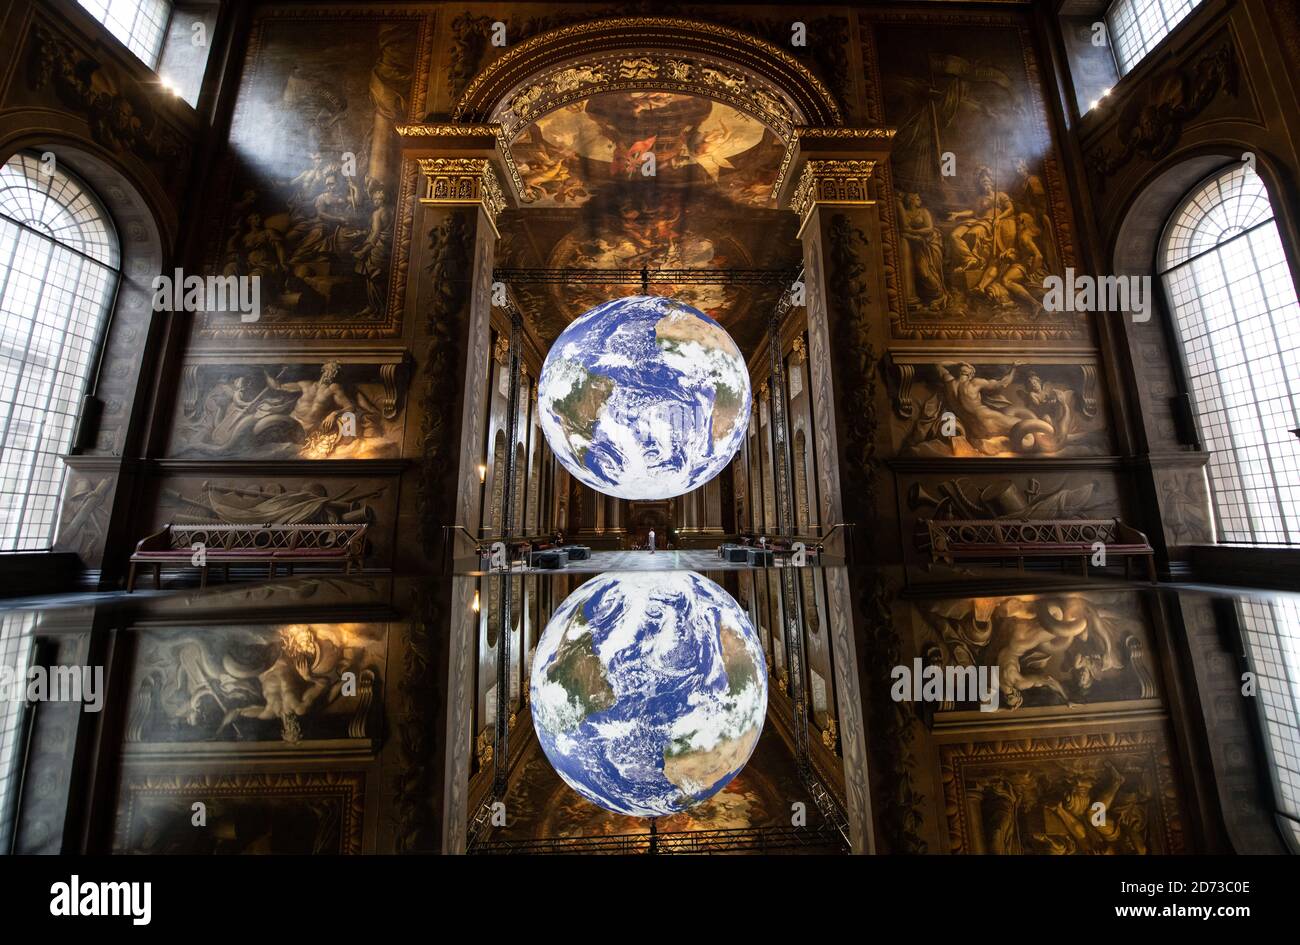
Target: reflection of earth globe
644,398
649,691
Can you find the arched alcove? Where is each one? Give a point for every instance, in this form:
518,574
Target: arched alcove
647,53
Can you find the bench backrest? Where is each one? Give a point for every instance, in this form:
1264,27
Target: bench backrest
968,533
269,537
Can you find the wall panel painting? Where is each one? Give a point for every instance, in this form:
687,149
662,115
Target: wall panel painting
300,410
998,407
1038,795
1063,651
317,201
243,688
979,208
297,813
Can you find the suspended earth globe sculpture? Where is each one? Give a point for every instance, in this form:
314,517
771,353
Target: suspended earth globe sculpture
648,690
644,398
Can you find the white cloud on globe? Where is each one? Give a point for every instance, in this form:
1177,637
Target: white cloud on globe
648,691
644,398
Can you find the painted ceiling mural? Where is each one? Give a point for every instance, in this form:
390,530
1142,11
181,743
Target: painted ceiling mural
650,179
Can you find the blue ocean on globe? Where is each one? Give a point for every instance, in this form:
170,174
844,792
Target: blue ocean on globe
649,690
644,398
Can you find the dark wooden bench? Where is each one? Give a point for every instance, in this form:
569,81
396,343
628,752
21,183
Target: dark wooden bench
272,545
953,540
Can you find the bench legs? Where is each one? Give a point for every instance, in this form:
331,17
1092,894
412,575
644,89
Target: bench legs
157,577
130,578
203,577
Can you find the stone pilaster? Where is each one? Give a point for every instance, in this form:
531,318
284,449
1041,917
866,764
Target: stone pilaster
830,186
466,182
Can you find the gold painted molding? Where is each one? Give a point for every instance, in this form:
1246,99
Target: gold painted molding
470,130
689,73
463,181
877,135
489,89
832,182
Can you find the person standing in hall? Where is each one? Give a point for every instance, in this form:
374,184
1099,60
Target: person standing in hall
651,541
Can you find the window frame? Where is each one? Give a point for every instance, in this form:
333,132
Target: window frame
1174,335
1109,19
1254,641
157,54
95,363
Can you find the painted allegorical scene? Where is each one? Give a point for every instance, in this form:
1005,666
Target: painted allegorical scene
1037,795
650,179
1068,649
313,175
960,408
292,502
973,188
570,154
297,813
289,411
289,683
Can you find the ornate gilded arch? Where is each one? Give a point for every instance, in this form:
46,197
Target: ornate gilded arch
647,53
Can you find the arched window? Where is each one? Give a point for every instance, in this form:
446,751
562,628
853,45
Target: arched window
1234,309
59,269
1136,27
141,25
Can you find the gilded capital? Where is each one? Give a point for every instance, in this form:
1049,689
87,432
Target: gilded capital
461,181
833,182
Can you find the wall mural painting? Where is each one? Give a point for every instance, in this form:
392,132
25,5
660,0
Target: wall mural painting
317,813
1037,795
289,411
978,210
1028,497
84,518
1068,649
1185,506
659,180
295,684
580,149
289,502
960,408
314,180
